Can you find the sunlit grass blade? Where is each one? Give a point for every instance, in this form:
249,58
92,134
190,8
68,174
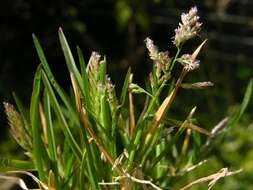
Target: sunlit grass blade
50,129
70,59
168,147
52,152
51,78
106,122
125,88
92,174
34,116
11,164
86,92
65,128
146,151
68,168
90,162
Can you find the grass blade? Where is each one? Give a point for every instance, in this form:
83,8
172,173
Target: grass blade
34,114
50,130
11,164
125,87
65,128
51,78
247,97
93,176
86,92
70,59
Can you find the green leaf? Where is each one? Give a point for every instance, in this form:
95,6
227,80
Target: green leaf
86,92
54,83
168,148
247,97
138,90
12,164
125,87
105,112
34,115
64,125
70,60
68,167
50,129
91,162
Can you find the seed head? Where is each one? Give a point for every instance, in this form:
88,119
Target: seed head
17,127
161,59
189,62
93,63
188,28
153,50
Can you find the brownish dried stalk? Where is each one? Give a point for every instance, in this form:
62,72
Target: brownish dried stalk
131,110
43,124
163,109
85,121
140,181
212,178
216,130
199,129
186,141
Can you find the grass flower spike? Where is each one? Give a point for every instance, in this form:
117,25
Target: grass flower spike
188,28
17,127
188,62
161,59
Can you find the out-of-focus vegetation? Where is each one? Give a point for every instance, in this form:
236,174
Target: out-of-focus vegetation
117,29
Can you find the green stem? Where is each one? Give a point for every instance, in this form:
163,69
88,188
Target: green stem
175,58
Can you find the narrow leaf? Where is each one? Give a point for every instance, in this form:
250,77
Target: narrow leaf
125,87
86,92
51,78
247,97
50,130
65,128
70,60
34,114
11,164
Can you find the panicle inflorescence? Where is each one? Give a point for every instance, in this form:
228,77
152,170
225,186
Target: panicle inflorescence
161,59
189,62
93,64
112,99
188,28
17,127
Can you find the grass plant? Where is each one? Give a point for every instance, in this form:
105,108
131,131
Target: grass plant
91,139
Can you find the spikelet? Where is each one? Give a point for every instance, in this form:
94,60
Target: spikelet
17,127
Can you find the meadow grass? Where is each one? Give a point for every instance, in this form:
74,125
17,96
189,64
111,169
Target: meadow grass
93,138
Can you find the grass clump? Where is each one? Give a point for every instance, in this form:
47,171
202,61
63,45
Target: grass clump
91,139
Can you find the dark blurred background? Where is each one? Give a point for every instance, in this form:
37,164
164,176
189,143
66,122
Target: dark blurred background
117,29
